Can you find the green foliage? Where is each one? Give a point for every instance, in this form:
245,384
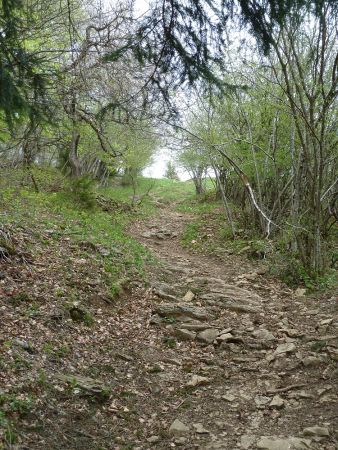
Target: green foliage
81,191
187,55
200,205
169,319
290,270
155,369
294,274
170,172
169,342
57,353
11,436
12,408
115,290
79,314
33,310
22,77
189,30
169,190
192,233
21,364
318,346
62,216
42,379
158,190
20,406
129,177
19,298
7,245
136,144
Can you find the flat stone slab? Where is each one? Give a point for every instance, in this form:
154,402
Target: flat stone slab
241,307
208,336
234,298
224,290
291,443
88,386
183,334
178,428
181,309
195,326
316,431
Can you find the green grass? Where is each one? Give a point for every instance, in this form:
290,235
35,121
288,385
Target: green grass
12,408
68,209
171,190
65,209
192,232
62,216
210,232
150,190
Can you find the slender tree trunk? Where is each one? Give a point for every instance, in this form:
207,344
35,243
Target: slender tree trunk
74,161
225,204
198,181
73,158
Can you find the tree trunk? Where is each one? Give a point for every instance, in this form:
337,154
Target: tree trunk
73,158
198,185
225,204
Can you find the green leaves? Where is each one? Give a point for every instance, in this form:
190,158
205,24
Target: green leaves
21,84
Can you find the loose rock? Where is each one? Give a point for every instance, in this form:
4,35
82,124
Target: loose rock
316,431
263,335
189,296
261,401
208,336
178,428
247,441
27,346
184,334
291,443
277,402
86,385
300,292
181,309
153,439
228,397
197,380
224,337
311,361
288,347
200,428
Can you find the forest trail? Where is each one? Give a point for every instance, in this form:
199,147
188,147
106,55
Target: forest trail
236,360
212,354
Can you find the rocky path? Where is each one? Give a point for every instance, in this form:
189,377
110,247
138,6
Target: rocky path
213,354
234,359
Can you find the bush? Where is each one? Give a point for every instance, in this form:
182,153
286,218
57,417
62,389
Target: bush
292,272
82,191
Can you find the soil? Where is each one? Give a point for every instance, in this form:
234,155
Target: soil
267,367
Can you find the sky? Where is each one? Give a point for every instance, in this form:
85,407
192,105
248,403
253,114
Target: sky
158,167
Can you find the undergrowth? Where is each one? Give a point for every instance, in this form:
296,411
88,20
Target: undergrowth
65,208
209,232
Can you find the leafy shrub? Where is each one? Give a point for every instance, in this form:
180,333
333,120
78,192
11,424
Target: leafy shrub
82,191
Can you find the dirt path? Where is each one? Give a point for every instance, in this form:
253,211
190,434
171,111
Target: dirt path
239,361
213,354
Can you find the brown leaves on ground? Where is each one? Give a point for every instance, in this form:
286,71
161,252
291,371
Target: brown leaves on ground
81,371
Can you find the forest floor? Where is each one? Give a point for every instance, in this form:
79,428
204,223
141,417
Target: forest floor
213,353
